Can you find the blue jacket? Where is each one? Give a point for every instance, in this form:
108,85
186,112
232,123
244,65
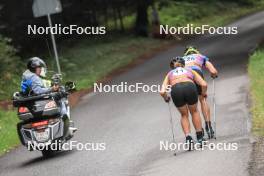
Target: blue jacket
32,83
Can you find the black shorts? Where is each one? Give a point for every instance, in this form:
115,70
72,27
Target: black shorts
184,93
199,88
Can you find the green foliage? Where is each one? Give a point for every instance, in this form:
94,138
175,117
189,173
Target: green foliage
8,132
91,60
256,72
9,68
180,13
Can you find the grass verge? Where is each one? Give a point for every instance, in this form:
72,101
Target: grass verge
8,132
256,72
210,13
89,61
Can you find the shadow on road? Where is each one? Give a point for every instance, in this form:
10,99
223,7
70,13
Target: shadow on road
42,159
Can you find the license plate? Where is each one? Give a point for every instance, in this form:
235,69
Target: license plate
42,136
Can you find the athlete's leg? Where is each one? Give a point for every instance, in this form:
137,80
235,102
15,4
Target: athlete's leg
204,105
205,109
196,119
207,116
186,126
185,120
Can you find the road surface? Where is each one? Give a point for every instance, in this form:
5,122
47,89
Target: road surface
133,124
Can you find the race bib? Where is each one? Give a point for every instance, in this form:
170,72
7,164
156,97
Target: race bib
189,59
179,71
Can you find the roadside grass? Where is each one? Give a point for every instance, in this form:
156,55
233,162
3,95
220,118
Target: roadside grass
256,72
88,60
230,13
8,132
210,13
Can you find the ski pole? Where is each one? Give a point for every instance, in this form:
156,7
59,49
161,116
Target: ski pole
172,131
214,107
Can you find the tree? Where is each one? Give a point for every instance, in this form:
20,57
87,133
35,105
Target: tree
142,21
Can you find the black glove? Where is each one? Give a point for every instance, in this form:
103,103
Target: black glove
204,95
167,99
214,76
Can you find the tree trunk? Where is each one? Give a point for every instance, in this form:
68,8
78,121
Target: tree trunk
122,28
115,17
142,18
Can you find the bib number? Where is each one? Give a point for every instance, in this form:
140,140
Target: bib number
189,59
179,72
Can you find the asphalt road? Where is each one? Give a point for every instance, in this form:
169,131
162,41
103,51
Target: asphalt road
133,124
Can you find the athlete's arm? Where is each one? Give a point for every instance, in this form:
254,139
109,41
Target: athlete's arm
200,81
210,67
164,87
